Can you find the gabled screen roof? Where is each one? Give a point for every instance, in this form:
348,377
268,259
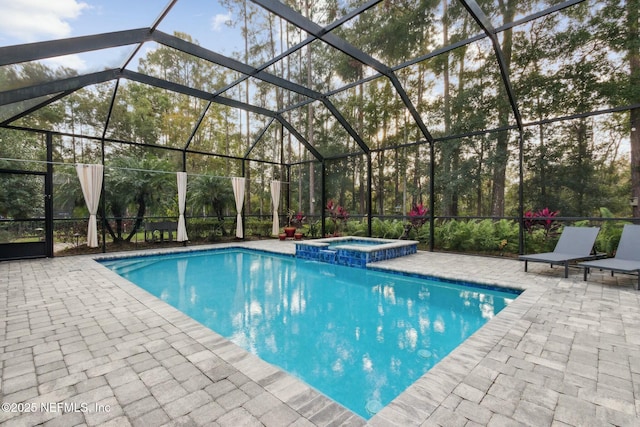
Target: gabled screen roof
225,63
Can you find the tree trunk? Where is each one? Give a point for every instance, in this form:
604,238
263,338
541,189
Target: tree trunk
364,201
446,152
381,166
635,159
501,155
142,208
116,234
312,180
247,175
480,199
543,164
397,197
278,146
583,157
312,177
417,185
633,16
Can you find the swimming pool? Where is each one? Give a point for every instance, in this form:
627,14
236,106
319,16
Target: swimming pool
360,337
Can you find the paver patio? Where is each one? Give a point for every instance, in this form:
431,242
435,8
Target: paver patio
80,345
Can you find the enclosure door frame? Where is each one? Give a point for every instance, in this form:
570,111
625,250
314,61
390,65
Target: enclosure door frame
44,247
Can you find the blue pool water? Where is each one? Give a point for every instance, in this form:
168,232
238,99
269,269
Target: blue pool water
361,243
360,337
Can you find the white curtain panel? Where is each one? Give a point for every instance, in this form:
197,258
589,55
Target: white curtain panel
275,200
90,177
238,192
182,198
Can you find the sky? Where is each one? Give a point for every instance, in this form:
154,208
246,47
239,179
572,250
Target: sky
27,21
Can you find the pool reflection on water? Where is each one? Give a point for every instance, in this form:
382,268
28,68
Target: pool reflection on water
360,337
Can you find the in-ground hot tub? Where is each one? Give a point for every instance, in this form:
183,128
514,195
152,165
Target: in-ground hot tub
354,251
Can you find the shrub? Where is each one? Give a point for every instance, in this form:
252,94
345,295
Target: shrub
478,236
356,228
209,229
610,232
454,235
387,229
541,219
338,215
258,227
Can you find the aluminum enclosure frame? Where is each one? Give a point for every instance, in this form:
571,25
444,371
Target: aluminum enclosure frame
58,89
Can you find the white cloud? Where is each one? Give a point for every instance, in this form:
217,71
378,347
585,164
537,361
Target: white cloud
219,20
68,61
33,20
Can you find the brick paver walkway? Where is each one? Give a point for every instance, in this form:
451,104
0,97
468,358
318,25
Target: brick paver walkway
81,346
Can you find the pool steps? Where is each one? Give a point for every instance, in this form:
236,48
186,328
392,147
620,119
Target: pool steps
134,264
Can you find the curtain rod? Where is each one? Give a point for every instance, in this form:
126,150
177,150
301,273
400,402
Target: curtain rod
118,168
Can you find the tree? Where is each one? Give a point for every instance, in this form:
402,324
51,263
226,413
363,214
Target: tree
31,73
210,195
633,55
21,196
140,183
508,10
621,34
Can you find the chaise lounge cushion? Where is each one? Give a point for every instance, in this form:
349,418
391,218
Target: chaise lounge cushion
627,258
575,244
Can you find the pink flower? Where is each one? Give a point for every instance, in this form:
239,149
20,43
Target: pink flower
547,223
418,215
342,213
542,218
337,212
330,205
418,210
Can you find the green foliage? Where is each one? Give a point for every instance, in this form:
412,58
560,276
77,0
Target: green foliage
423,235
138,183
610,233
507,230
578,59
207,229
538,241
67,193
209,195
65,231
486,236
454,235
387,229
258,227
21,196
478,236
314,229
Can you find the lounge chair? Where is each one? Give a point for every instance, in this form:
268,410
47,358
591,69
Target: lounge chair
575,244
627,258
